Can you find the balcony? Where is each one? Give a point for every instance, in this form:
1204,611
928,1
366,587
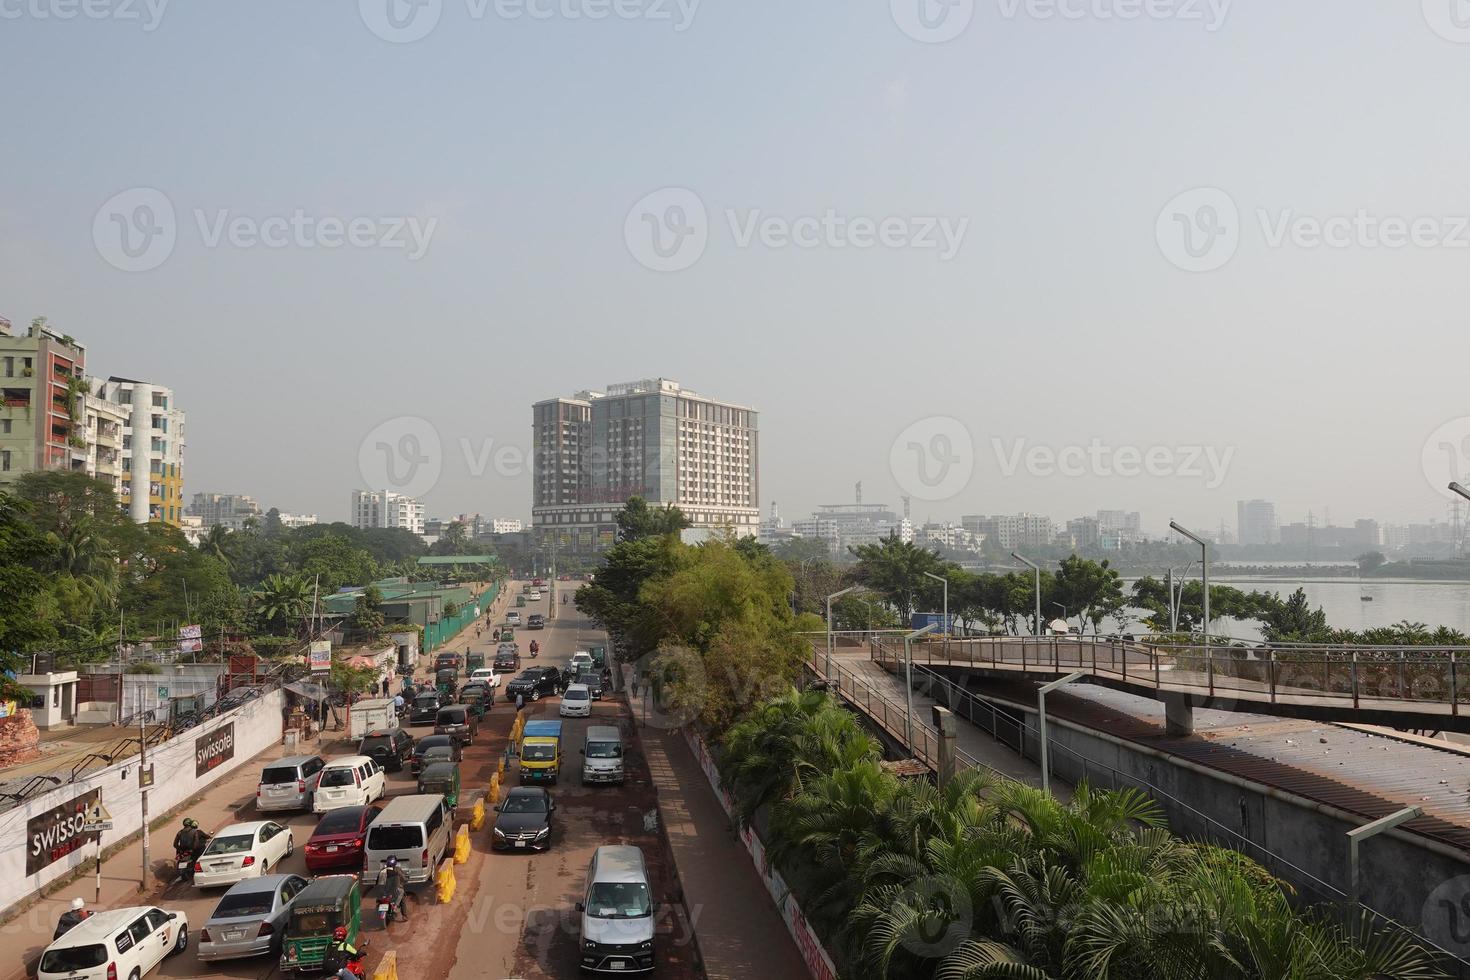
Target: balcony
15,397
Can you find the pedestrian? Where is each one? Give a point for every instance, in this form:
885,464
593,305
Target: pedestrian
520,700
385,687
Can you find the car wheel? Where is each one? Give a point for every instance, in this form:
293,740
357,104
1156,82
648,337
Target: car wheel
535,695
182,943
265,869
290,846
135,975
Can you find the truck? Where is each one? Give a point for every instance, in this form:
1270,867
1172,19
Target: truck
366,716
919,620
541,751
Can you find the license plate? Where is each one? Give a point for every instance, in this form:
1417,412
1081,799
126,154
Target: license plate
235,935
331,848
520,843
616,965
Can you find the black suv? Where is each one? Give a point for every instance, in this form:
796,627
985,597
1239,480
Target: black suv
594,684
424,710
536,622
387,747
507,660
458,720
534,683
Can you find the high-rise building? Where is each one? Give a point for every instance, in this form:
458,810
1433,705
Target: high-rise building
152,450
1255,522
1012,530
1123,526
292,521
228,510
375,508
652,439
845,526
42,377
102,427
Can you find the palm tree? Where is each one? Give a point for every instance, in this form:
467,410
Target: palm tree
215,543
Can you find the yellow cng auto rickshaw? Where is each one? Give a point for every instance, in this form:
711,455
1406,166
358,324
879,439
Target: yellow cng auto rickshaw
319,908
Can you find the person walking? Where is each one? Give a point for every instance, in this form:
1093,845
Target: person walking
520,700
384,687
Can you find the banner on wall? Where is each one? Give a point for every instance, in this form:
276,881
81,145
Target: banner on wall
52,835
214,749
190,640
319,655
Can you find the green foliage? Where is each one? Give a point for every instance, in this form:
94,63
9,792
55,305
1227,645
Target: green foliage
637,520
27,622
333,561
895,570
1088,589
1370,562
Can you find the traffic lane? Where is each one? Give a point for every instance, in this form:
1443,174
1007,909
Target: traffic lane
199,903
522,920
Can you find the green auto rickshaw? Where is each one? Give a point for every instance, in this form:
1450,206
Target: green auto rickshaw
319,908
520,600
445,680
476,698
473,661
441,778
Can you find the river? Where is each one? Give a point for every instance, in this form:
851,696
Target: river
1394,600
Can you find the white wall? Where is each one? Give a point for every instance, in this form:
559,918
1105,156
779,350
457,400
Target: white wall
257,727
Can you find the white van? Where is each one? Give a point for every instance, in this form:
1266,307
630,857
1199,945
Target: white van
602,755
617,912
118,943
415,829
353,780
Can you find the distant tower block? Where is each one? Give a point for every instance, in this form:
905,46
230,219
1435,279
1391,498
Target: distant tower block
858,491
905,508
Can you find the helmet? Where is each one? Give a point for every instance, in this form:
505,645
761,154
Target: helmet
77,904
391,861
339,933
190,822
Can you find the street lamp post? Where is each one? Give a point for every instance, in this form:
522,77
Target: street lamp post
908,683
1041,724
839,592
1204,562
1037,569
945,582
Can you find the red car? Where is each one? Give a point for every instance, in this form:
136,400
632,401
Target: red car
337,841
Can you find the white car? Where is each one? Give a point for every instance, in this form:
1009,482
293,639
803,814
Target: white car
512,618
119,943
352,780
486,674
534,596
576,702
243,850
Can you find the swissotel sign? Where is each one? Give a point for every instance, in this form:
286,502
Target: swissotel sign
52,835
214,749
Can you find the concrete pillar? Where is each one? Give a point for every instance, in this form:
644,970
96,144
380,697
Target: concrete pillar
945,725
1178,715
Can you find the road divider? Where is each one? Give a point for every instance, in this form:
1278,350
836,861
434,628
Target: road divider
387,967
477,815
444,883
462,845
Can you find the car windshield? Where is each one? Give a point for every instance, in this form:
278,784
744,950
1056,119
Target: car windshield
618,900
439,753
426,704
525,803
431,741
73,958
538,753
337,777
249,903
395,838
573,694
370,745
344,821
604,750
230,845
451,717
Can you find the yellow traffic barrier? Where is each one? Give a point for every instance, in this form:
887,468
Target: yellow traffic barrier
500,769
444,880
387,966
462,845
477,815
494,795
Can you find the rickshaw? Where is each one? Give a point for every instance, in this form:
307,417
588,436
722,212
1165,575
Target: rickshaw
441,778
520,600
507,633
324,904
445,680
475,700
472,662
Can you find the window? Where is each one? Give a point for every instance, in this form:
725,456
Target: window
395,838
140,930
5,456
157,918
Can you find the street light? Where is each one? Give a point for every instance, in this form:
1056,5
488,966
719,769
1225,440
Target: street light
941,579
908,682
1169,575
1456,488
1204,574
1037,569
1041,723
839,592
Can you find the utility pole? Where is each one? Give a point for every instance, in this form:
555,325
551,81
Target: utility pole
143,785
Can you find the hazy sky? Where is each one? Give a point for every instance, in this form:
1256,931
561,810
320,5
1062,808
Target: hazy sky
1065,309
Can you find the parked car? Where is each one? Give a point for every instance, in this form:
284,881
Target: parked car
593,683
536,621
416,764
534,683
524,821
336,844
425,707
250,918
243,850
353,780
388,747
288,784
576,702
115,943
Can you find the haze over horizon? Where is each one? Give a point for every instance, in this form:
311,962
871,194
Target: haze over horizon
1086,232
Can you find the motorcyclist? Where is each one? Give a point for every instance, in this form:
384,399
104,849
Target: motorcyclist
391,877
71,917
342,953
535,648
201,840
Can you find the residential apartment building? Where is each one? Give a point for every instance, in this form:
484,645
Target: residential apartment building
42,378
103,422
653,439
505,525
374,508
152,450
1082,532
291,521
227,510
1122,526
949,536
1255,522
845,526
1012,530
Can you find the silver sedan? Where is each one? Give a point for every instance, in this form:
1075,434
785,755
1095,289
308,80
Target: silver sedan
250,918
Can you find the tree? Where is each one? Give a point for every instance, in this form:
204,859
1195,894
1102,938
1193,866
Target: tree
1370,562
1088,589
895,569
280,600
794,550
216,543
334,560
367,612
26,620
637,520
1294,621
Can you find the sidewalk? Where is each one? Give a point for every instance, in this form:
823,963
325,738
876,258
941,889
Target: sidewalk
741,935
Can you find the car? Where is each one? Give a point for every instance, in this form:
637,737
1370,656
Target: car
416,763
336,843
507,660
351,780
618,928
388,747
287,784
536,621
249,919
535,595
244,850
486,676
115,943
513,618
536,583
524,821
576,702
533,683
583,660
458,720
425,708
593,682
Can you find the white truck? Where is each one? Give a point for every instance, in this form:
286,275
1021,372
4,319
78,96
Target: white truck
376,714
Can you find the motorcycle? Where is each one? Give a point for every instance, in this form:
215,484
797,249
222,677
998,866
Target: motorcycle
357,965
535,648
184,862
